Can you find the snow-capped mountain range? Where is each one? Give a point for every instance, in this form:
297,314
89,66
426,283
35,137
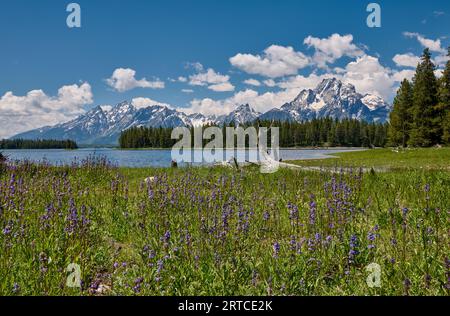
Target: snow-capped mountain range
331,98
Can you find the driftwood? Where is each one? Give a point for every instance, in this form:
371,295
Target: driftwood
266,162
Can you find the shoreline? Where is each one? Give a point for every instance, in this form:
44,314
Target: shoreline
161,149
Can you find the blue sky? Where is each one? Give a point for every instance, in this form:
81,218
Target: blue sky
200,55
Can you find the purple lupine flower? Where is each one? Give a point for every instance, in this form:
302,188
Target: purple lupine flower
293,211
137,284
407,285
312,210
8,228
188,239
160,266
405,211
45,219
151,254
353,248
371,236
276,249
311,244
85,221
318,237
293,244
16,288
72,218
166,237
43,262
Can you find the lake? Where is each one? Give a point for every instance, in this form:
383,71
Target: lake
147,158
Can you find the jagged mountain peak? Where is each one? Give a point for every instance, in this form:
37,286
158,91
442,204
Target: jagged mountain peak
373,101
336,99
334,85
243,113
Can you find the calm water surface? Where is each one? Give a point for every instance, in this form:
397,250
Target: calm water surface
148,158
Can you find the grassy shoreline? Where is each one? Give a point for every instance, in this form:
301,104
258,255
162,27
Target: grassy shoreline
392,159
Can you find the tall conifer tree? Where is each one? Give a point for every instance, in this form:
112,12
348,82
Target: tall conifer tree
444,101
424,130
400,117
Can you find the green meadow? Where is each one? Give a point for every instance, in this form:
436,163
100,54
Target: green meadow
340,229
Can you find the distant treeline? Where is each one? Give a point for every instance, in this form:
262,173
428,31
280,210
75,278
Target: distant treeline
37,144
318,132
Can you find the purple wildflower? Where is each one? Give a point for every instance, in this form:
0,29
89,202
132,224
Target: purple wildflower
16,288
353,248
293,211
407,285
276,249
312,210
166,237
137,284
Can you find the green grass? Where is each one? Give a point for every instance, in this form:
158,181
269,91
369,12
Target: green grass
225,226
392,159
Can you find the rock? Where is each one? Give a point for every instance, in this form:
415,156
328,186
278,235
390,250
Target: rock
102,289
150,179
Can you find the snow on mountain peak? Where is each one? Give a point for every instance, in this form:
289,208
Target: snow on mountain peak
333,98
373,101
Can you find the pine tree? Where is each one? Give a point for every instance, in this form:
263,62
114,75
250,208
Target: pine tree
424,131
444,101
400,118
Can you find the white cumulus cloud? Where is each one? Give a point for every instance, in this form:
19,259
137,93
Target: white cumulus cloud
369,76
328,50
433,45
124,79
210,78
37,109
276,61
140,103
406,60
270,83
252,82
221,87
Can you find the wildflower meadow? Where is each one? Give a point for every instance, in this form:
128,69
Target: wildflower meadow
91,228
